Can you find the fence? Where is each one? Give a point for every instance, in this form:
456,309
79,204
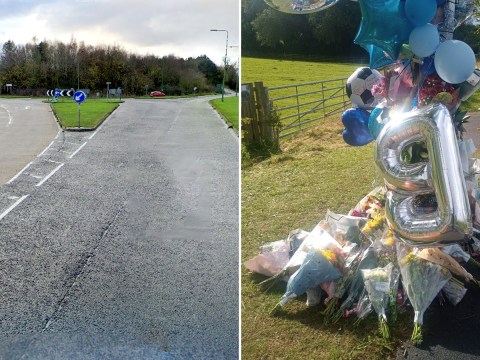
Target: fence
276,112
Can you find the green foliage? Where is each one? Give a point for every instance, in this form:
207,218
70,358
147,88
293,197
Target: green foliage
34,68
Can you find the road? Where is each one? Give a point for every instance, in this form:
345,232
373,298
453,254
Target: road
26,126
123,243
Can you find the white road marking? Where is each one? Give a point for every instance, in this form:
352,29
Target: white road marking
10,117
45,150
20,173
91,136
76,151
5,213
49,175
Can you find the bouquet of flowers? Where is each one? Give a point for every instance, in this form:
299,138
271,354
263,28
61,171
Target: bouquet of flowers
377,282
371,205
318,239
319,266
435,90
351,264
422,280
368,260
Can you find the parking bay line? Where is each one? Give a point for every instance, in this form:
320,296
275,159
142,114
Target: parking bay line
76,151
49,175
20,173
5,213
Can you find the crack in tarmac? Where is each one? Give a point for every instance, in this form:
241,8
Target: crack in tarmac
80,270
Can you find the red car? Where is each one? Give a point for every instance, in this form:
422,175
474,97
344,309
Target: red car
157,94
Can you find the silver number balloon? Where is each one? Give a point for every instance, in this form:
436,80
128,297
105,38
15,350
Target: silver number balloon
442,175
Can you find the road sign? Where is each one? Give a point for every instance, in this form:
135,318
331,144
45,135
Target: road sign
57,92
79,96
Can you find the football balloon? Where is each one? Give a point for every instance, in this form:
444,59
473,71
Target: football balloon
359,87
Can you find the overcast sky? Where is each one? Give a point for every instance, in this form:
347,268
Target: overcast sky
159,27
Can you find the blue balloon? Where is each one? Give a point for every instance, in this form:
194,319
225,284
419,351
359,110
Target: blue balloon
454,61
424,40
420,12
441,2
375,123
428,66
384,25
356,127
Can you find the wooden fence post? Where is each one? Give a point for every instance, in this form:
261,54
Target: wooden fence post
263,111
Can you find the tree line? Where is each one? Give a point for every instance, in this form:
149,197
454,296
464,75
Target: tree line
329,33
36,67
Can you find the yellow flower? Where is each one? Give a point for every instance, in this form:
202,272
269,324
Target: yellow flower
330,255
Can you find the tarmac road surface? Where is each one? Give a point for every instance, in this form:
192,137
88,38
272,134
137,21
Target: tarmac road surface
26,127
123,243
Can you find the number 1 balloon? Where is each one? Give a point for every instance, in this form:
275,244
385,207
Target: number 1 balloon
441,175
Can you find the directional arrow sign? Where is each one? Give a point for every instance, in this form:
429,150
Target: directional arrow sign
57,93
79,96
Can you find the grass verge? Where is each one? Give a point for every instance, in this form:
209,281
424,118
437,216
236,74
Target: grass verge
315,172
92,112
228,109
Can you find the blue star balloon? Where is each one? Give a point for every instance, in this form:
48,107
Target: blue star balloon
384,25
378,57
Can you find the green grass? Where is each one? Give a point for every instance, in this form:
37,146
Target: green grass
228,109
315,172
92,112
284,72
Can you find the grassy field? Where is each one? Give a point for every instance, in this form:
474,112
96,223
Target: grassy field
228,109
284,72
315,171
92,112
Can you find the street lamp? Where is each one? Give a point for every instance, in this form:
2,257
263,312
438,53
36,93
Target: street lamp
225,66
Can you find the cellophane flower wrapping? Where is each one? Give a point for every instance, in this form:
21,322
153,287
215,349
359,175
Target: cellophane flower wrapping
273,256
319,266
344,228
317,239
368,260
377,283
422,280
454,291
363,307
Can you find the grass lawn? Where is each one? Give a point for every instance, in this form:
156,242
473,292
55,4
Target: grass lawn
228,109
92,112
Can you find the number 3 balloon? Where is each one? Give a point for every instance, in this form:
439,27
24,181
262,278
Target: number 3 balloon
442,175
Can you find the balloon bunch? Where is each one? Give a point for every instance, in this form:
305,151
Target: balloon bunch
414,112
411,41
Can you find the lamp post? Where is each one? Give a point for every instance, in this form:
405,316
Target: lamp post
225,65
